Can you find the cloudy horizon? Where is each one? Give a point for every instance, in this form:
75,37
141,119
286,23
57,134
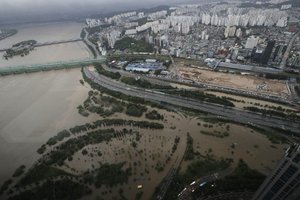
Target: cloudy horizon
31,10
16,10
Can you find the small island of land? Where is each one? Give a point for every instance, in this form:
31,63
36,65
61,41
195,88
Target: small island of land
21,48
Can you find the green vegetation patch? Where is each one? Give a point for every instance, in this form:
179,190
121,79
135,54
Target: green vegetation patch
154,115
135,110
82,111
41,172
203,97
176,141
59,189
205,166
112,75
59,137
27,42
5,186
68,148
277,113
104,106
111,175
189,153
19,171
215,133
115,122
134,45
143,83
95,29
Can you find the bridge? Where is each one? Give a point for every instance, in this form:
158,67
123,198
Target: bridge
57,42
50,66
51,43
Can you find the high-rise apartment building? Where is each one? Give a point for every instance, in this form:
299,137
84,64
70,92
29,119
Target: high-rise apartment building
284,182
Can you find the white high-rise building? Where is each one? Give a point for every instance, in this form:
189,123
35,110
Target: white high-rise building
141,14
112,37
232,31
239,33
282,22
185,28
130,32
251,42
229,31
157,15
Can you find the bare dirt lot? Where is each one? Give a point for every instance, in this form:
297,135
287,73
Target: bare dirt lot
234,81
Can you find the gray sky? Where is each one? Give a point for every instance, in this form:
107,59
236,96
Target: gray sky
18,10
30,10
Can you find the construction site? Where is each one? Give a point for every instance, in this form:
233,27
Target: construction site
245,82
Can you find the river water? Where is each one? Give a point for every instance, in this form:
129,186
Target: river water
46,33
34,107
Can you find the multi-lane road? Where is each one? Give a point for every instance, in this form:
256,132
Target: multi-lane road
234,114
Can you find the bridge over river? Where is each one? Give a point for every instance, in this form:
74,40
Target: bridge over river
50,66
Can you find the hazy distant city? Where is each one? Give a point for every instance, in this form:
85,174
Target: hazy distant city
116,100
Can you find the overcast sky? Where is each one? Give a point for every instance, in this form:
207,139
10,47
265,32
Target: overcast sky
18,10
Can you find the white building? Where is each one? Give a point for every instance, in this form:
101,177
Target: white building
229,31
141,14
158,15
185,28
251,42
130,32
93,22
239,33
112,37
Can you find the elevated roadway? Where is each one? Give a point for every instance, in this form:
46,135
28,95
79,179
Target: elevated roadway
51,65
235,114
249,68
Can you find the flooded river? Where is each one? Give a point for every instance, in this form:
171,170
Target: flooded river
33,108
46,33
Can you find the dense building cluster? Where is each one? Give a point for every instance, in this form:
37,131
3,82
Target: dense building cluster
228,31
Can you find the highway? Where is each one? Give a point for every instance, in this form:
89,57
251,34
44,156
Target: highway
266,96
89,43
234,114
